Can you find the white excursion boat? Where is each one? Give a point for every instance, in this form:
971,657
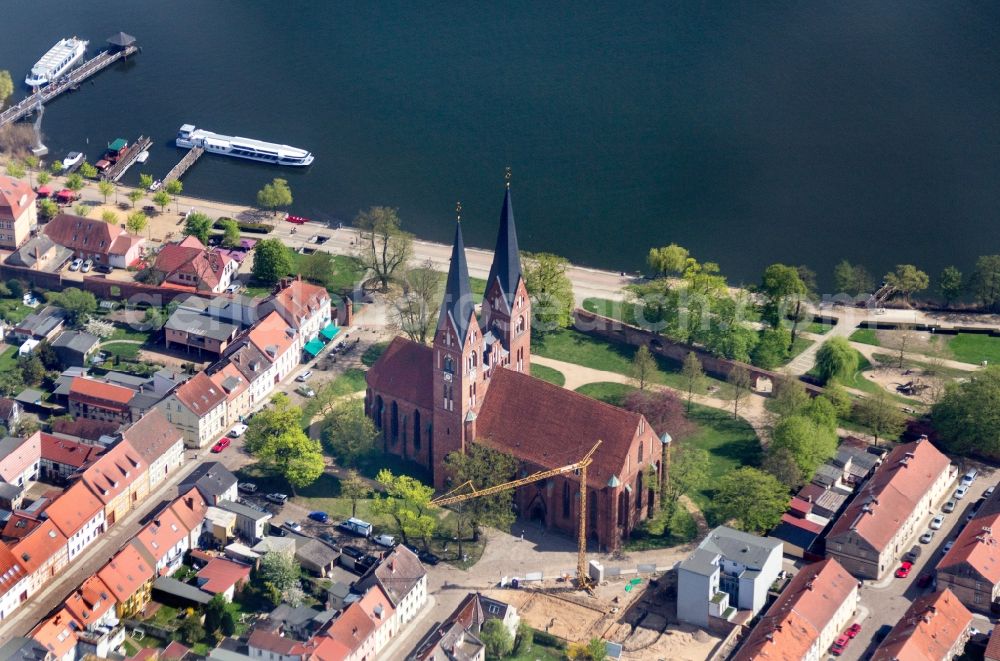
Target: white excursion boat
57,61
255,150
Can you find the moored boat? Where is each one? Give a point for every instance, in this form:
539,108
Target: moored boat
58,60
255,150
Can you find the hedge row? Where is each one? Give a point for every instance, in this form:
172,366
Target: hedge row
245,226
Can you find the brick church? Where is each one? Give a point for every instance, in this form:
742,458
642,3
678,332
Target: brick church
473,385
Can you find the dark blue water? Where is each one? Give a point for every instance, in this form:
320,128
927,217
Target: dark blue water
750,132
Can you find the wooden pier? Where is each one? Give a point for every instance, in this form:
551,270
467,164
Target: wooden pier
183,165
71,81
115,172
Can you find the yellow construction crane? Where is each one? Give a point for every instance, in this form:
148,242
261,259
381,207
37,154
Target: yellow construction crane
582,578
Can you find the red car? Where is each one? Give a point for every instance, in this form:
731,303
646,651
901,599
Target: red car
904,569
853,630
840,645
221,445
298,220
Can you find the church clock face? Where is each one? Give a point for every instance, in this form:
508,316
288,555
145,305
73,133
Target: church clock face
447,377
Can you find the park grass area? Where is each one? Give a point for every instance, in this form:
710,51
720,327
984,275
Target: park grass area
548,374
348,383
578,348
623,311
347,273
927,368
974,348
865,336
730,443
8,359
607,391
798,346
857,381
373,353
817,327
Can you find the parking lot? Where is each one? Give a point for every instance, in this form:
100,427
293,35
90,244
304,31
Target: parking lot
885,601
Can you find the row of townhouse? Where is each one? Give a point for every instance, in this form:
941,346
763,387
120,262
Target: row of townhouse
106,488
240,382
89,622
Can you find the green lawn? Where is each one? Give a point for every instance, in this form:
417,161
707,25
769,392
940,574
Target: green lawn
129,333
798,346
865,336
8,359
124,350
893,360
623,311
730,444
13,310
974,348
653,534
538,653
606,391
575,347
859,382
548,374
817,327
351,381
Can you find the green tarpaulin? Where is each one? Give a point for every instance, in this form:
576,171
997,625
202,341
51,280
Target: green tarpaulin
330,331
118,144
313,347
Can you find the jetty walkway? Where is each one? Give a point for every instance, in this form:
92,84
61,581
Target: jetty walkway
183,165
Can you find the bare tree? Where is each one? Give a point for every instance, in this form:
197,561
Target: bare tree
415,305
740,382
900,341
383,246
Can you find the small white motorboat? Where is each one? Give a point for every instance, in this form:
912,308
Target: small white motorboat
155,186
143,157
72,159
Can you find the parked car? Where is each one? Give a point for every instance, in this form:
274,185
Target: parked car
353,552
306,391
904,570
277,498
277,531
327,537
233,288
949,507
322,517
104,268
947,547
302,378
238,430
913,553
969,477
87,265
387,541
937,522
428,558
960,493
356,527
853,630
76,264
220,445
989,492
840,644
247,487
294,526
927,537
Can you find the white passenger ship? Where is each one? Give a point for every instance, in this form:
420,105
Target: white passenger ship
268,152
57,61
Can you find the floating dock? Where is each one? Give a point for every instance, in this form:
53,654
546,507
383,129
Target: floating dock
126,160
183,165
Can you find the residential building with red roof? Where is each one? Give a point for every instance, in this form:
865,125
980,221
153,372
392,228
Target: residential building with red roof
57,634
934,628
330,649
129,576
93,607
460,632
888,512
15,581
474,386
237,389
221,576
971,567
118,479
271,645
190,264
159,443
97,400
257,369
166,540
78,515
18,214
377,605
279,342
20,459
993,647
190,509
403,578
805,619
198,409
355,631
304,306
63,457
44,552
125,250
90,238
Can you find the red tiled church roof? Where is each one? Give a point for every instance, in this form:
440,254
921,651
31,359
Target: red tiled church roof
405,372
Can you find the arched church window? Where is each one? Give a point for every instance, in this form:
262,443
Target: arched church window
520,324
449,364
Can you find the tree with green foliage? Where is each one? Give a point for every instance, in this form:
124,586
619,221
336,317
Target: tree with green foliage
407,502
57,167
881,415
272,260
550,289
752,499
834,393
31,163
77,303
136,223
780,462
74,182
693,376
231,235
788,396
174,189
740,384
274,435
44,178
48,208
383,247
353,488
643,367
279,574
836,360
484,467
82,209
967,418
951,285
6,87
771,351
214,610
109,216
134,196
591,650
784,292
318,267
31,368
105,188
46,354
191,631
525,638
688,471
88,171
497,639
347,433
145,181
668,260
809,443
985,282
11,383
161,198
198,225
908,280
15,170
228,623
274,195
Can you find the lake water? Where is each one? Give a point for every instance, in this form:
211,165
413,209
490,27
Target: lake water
749,132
